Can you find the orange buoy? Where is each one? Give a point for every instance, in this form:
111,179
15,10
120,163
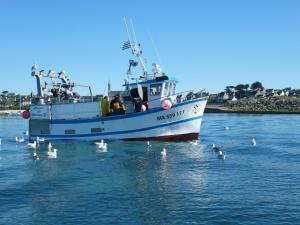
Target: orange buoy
26,114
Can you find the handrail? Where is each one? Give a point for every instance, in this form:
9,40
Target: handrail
178,93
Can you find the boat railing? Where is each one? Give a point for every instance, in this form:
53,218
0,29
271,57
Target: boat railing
183,96
59,100
189,95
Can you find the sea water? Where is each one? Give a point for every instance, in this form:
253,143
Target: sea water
133,184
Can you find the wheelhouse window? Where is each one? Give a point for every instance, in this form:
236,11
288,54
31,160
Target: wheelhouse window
174,89
155,89
166,89
170,91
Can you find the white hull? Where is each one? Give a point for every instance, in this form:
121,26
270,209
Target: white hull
181,122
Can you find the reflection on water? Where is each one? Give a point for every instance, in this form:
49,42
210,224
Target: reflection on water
133,184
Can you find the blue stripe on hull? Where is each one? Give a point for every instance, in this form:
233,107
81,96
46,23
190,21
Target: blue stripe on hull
116,132
123,116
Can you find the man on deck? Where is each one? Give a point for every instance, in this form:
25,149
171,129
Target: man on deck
104,106
116,106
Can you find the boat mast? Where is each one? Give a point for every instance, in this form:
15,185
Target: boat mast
136,47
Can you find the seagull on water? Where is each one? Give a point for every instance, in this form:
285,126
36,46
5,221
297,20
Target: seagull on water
101,145
164,152
49,146
32,145
253,142
221,155
52,153
20,139
35,156
216,148
226,128
148,144
40,140
195,142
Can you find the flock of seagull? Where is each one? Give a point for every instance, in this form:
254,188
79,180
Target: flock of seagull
220,150
51,153
102,147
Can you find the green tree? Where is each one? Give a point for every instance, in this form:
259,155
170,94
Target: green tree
229,89
241,87
4,93
241,90
257,85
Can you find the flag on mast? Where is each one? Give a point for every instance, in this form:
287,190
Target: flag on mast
126,45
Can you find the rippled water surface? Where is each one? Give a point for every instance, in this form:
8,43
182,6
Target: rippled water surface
131,184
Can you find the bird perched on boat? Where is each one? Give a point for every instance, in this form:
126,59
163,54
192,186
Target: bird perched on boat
163,152
52,153
35,156
32,145
101,145
226,128
34,67
20,139
221,155
253,142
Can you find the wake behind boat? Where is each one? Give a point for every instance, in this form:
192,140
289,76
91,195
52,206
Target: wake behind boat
147,109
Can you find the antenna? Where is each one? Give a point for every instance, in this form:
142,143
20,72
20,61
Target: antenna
155,49
133,31
128,33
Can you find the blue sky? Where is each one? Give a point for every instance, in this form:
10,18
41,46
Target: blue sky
204,44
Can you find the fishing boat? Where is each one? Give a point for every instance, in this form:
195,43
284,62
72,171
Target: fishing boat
149,107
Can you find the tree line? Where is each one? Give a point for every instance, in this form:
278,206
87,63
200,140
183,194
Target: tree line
242,90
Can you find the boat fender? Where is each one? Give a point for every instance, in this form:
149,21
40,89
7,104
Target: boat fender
26,114
166,104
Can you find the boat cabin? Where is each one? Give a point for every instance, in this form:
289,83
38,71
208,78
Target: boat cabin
149,93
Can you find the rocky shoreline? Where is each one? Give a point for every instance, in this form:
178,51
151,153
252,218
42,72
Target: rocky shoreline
270,105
